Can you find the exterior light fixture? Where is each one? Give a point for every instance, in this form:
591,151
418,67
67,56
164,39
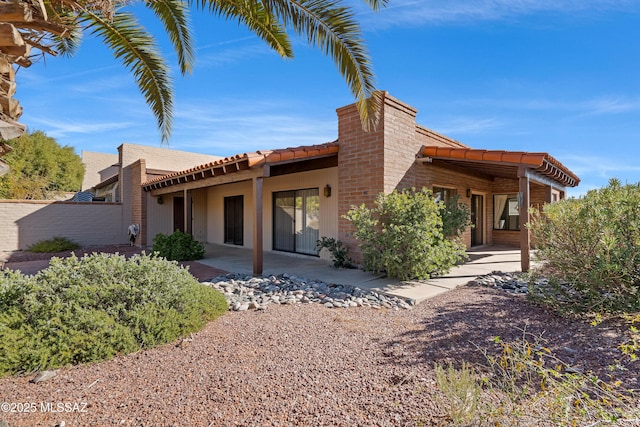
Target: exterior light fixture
468,192
159,200
327,190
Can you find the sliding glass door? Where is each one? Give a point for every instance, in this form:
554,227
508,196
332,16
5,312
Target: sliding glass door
296,221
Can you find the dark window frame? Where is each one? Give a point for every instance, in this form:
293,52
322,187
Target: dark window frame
294,194
511,222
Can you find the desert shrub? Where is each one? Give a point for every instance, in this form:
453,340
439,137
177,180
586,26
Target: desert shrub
591,250
524,383
177,246
56,244
92,308
403,236
338,251
460,392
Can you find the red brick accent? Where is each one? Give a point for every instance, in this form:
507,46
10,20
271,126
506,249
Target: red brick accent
380,160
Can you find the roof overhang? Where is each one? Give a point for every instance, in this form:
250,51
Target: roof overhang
505,164
232,166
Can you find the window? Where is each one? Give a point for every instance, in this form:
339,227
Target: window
506,212
234,220
296,221
443,194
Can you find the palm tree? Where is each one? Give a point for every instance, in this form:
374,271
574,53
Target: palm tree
56,26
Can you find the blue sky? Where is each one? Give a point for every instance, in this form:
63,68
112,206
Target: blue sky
561,76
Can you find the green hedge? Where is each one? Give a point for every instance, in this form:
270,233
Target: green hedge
93,308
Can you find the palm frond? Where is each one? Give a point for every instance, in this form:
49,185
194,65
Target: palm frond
69,43
137,50
332,27
377,4
174,15
256,18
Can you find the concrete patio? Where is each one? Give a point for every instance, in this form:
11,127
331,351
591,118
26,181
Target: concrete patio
482,260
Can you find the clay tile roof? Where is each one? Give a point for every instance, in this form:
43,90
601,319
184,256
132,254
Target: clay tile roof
542,163
249,160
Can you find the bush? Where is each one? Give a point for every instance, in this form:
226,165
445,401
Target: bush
456,217
56,244
526,384
403,236
591,247
338,251
177,246
90,309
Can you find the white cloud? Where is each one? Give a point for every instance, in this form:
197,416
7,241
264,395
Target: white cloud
437,12
233,55
62,128
466,125
594,106
602,167
233,126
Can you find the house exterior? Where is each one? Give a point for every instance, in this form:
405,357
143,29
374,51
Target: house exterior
286,199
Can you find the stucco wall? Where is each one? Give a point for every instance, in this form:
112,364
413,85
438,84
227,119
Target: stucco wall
161,158
98,167
312,179
23,223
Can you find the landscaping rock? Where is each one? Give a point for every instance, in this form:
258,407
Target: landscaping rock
509,282
43,376
255,293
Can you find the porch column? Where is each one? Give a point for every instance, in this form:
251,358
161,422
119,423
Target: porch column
185,211
525,238
257,226
548,194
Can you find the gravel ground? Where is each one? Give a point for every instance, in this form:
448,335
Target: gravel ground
298,364
307,365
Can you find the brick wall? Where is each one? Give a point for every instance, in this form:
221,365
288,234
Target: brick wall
430,176
380,160
24,222
537,197
360,169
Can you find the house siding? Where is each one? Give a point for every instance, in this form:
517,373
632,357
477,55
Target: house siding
97,167
313,179
134,161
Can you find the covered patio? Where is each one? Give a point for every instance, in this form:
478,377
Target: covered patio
482,261
538,171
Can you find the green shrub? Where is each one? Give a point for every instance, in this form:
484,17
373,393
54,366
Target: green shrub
591,250
177,246
456,217
403,236
93,308
56,244
338,251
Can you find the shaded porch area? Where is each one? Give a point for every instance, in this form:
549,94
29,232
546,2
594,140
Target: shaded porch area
514,183
482,260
